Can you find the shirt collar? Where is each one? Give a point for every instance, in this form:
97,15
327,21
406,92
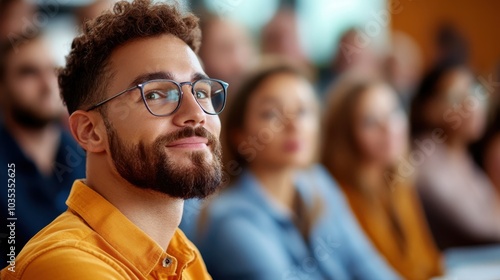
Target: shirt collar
249,183
125,237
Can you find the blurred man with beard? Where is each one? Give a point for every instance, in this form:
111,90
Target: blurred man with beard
45,159
145,112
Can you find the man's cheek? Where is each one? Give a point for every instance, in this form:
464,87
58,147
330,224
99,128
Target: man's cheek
214,125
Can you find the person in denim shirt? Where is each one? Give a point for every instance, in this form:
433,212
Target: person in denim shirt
276,221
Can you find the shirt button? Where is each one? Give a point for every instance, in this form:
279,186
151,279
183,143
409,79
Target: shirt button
167,262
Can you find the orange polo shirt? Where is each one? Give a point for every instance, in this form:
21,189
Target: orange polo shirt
94,240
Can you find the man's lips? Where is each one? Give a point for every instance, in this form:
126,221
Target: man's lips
189,142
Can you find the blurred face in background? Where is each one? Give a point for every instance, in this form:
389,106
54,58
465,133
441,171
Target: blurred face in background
14,16
352,56
30,89
281,37
226,51
458,106
282,117
380,126
404,64
93,10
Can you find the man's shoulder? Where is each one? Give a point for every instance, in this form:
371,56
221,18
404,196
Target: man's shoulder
64,261
67,243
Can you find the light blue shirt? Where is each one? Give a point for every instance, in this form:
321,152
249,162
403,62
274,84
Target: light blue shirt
246,236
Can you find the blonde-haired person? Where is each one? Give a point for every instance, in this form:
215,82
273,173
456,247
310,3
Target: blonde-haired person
281,218
365,137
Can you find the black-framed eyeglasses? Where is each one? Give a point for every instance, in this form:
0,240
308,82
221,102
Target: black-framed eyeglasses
164,97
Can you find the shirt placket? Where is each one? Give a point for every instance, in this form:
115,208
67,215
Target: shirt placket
166,268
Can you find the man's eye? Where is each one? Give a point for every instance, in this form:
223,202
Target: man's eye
166,96
202,94
154,95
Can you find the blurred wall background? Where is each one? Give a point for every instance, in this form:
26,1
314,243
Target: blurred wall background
478,21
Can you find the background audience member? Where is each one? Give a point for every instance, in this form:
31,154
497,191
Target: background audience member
12,29
447,114
352,55
227,50
281,37
15,15
271,221
486,151
403,66
366,134
92,10
47,159
490,153
450,45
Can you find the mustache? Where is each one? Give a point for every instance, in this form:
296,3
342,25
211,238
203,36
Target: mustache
187,132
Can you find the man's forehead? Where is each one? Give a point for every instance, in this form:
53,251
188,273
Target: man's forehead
165,75
165,53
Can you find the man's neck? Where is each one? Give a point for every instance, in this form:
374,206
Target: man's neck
38,144
156,214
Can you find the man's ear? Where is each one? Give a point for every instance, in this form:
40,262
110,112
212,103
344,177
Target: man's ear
88,130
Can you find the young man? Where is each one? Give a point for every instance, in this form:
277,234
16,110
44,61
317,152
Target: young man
146,114
45,158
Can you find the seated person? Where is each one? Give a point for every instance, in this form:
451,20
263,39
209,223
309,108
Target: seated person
449,113
45,159
146,114
227,50
366,135
276,221
487,151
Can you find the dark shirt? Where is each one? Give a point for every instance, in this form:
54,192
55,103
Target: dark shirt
38,198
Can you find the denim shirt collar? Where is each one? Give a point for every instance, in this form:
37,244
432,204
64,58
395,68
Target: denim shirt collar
255,191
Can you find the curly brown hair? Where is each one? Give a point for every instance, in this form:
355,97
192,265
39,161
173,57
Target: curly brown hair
83,80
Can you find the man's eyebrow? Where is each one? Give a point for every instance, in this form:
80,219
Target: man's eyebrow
151,76
197,76
163,75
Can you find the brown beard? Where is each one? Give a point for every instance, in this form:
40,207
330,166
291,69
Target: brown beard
150,167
